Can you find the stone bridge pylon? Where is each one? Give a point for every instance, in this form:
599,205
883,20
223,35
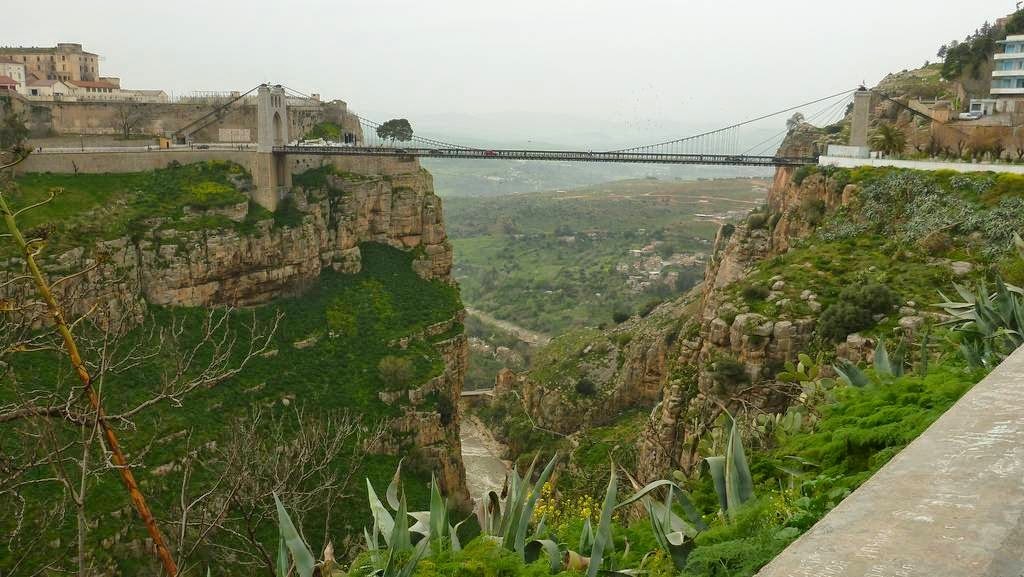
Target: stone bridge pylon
270,173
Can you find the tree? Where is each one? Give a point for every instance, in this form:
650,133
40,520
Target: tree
68,432
889,139
127,117
395,129
13,131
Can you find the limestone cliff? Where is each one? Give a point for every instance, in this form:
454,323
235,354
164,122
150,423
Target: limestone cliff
195,265
670,359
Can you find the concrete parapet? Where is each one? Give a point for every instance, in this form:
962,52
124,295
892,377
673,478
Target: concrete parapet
951,504
119,162
846,162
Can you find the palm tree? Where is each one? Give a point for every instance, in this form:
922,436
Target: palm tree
889,139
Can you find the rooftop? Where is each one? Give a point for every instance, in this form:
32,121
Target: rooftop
7,81
91,84
63,47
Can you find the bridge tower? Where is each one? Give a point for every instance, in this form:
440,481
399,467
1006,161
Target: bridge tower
270,172
861,118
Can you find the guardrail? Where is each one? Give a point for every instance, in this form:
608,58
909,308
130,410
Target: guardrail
552,155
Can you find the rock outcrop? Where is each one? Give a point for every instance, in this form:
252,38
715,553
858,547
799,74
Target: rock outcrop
236,266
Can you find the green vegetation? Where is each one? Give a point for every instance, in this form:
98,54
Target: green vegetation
328,131
889,139
324,359
968,57
94,207
855,310
517,259
396,129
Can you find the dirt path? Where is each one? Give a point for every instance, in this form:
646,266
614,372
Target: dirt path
485,470
523,334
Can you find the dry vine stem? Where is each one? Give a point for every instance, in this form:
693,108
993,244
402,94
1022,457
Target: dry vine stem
61,324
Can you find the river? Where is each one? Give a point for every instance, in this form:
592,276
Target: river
481,453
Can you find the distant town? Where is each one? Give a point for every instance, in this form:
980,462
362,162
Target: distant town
64,72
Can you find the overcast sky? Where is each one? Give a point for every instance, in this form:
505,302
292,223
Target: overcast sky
543,69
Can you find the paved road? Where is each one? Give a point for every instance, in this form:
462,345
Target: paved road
485,471
523,334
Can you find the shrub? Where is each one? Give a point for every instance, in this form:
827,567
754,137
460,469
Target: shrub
936,243
812,211
874,297
855,310
757,220
803,172
620,317
728,372
649,307
755,292
396,370
586,387
446,409
842,319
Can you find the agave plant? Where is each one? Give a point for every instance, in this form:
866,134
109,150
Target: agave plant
887,367
990,325
506,518
733,482
404,546
292,550
673,533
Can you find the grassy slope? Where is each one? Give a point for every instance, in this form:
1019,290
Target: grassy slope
385,301
97,207
548,285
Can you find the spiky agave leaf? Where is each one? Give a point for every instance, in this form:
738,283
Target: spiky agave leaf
883,366
488,513
681,498
716,466
851,374
301,555
396,480
531,503
546,547
438,515
740,484
381,518
603,539
586,537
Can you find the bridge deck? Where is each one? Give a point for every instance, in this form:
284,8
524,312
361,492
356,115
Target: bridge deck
551,155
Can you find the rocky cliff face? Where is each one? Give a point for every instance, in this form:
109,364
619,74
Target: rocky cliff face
674,358
240,267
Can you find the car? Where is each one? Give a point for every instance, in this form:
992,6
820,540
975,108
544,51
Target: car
490,153
203,146
972,115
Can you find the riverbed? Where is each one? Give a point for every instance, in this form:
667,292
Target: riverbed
481,453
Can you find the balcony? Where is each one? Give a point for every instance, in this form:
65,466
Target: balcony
1007,73
1009,56
1007,91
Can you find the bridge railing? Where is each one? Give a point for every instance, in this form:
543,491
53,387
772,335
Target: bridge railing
551,155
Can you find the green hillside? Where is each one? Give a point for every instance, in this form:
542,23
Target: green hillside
324,360
547,261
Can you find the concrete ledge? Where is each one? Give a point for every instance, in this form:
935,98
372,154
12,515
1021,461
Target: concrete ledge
951,504
842,162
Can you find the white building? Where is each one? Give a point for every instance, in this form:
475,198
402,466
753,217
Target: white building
48,90
1008,69
15,71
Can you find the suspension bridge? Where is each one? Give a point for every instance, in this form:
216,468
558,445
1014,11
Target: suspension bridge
273,154
726,146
